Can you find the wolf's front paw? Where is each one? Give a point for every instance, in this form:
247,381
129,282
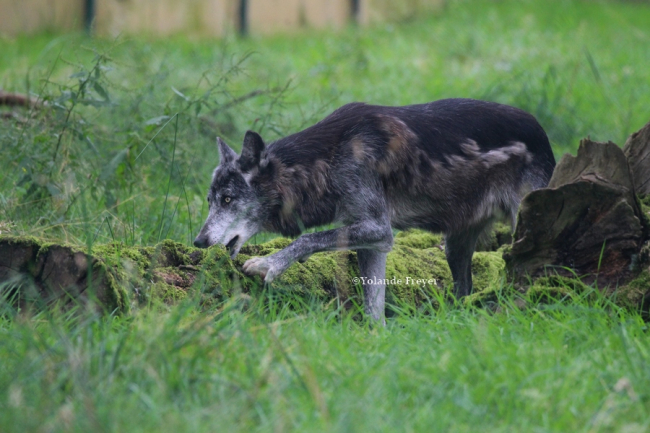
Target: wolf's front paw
262,266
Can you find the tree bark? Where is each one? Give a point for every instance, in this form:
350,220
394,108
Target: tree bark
637,151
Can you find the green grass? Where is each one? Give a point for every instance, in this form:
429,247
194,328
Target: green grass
125,151
576,368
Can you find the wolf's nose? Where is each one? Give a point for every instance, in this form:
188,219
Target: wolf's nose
200,242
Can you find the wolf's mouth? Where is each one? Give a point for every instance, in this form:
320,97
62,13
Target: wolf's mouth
230,246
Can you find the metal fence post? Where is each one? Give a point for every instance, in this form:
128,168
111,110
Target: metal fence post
355,6
89,15
243,17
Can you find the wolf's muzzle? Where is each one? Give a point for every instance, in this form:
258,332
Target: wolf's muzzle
201,242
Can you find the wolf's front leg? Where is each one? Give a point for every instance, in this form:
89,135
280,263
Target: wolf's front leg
367,235
372,267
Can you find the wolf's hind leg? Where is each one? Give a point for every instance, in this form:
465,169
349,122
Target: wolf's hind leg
459,248
372,266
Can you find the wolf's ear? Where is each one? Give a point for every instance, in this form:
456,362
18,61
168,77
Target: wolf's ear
226,154
251,151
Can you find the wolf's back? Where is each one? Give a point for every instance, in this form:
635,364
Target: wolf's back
443,126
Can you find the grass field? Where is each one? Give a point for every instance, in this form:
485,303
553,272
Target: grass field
124,151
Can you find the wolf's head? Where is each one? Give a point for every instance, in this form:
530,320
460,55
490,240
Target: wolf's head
236,211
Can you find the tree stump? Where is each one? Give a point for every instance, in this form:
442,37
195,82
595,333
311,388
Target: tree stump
588,222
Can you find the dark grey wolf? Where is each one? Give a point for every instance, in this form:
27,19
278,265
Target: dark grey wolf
452,166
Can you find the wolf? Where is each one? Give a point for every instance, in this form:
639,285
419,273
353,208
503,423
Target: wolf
452,166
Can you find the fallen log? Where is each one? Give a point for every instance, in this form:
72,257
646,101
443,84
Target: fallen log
123,277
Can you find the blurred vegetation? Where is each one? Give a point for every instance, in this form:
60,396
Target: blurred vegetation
125,147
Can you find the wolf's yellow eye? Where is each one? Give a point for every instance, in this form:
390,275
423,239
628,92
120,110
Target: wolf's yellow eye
227,199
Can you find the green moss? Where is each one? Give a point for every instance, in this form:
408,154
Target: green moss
322,275
488,277
488,297
266,248
505,249
539,293
500,235
128,266
415,269
166,293
633,294
119,256
487,268
567,284
418,239
171,253
219,275
543,290
24,240
118,296
416,272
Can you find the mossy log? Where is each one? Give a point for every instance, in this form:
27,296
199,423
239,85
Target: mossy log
33,271
587,224
119,277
